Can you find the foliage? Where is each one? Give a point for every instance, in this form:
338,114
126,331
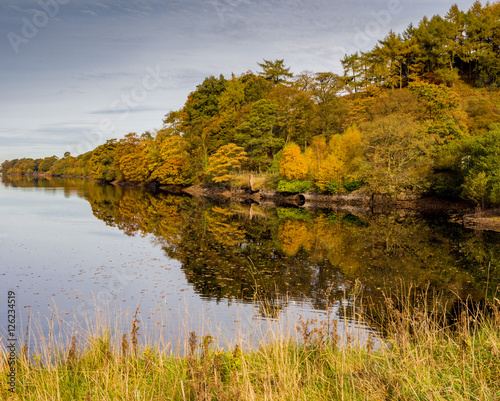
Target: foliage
333,187
476,187
131,158
296,114
47,163
352,185
294,186
103,165
227,159
331,165
293,164
479,165
257,134
482,114
275,71
397,154
168,160
445,120
461,46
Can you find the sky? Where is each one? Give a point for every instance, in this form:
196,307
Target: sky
74,73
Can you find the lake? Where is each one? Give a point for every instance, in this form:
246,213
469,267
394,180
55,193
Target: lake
81,255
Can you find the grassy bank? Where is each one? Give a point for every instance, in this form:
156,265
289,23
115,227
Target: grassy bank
420,360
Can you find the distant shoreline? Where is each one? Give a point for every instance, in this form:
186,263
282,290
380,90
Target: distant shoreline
360,200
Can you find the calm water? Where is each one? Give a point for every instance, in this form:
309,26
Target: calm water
78,253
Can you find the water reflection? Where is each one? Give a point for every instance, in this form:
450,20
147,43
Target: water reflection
273,256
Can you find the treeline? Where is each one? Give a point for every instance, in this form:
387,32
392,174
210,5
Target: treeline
462,45
416,113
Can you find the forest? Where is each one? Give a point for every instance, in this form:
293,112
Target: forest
418,113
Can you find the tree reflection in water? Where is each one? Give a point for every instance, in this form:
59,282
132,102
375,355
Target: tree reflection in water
232,251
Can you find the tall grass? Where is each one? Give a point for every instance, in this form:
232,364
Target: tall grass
420,359
261,181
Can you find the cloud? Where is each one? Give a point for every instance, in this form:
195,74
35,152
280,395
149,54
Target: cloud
29,11
102,75
89,12
53,136
125,110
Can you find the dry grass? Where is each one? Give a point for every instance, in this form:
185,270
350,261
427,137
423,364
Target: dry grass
420,360
261,181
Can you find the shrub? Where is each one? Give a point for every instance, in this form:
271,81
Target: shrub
294,186
352,185
333,187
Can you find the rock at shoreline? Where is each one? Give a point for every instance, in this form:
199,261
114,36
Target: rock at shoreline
485,223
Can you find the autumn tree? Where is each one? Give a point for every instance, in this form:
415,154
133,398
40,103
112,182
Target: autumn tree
391,53
332,108
304,81
293,164
256,87
353,72
397,154
475,188
168,159
348,148
444,118
481,114
331,164
130,154
296,114
330,174
437,49
316,154
102,163
47,163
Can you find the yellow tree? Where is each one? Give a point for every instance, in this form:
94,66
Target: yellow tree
227,159
131,157
331,171
348,147
343,159
316,154
293,164
169,159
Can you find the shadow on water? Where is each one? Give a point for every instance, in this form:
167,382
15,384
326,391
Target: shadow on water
246,252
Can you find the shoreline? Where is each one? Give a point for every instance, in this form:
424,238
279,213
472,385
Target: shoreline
360,201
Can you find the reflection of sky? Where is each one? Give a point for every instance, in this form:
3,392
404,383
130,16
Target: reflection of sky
74,69
59,258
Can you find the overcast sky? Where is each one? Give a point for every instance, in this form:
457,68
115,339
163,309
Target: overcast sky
77,72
